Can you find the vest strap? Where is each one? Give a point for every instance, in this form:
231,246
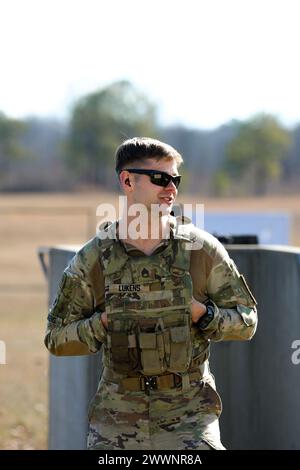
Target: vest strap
154,382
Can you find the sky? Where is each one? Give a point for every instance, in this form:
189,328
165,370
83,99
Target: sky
203,62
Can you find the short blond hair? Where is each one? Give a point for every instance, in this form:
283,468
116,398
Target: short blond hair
139,149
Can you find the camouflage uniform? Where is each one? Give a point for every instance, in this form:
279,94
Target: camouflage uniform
156,390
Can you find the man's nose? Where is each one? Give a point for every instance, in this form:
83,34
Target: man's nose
171,186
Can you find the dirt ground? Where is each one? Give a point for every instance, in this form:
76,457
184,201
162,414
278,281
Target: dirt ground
28,222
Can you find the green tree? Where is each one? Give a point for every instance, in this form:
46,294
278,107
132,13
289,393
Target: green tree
11,149
100,122
255,154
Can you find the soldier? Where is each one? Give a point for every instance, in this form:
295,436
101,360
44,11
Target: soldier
154,304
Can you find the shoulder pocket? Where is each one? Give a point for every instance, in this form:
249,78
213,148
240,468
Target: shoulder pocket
70,302
248,314
242,292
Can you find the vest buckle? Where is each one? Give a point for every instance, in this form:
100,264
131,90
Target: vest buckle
150,383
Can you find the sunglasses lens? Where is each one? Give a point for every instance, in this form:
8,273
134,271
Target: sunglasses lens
176,181
163,179
160,179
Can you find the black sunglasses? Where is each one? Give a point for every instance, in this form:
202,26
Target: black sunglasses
160,178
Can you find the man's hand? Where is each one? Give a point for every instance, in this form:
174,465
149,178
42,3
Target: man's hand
104,319
198,310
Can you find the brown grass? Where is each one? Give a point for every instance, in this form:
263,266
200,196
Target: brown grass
23,392
26,223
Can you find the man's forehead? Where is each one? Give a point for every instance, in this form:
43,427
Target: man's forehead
163,164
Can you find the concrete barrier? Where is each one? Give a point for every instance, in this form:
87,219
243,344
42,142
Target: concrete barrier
72,380
258,381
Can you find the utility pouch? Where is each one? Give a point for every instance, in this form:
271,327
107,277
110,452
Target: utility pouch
180,348
123,352
152,353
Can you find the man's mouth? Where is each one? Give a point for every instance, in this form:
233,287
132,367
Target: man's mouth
167,200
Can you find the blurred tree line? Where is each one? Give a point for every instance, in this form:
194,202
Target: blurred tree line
256,156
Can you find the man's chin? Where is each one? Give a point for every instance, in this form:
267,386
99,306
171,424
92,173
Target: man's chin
160,209
165,209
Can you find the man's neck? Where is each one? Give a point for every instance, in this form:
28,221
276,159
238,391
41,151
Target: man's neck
149,238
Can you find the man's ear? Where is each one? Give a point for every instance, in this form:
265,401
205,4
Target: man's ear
127,182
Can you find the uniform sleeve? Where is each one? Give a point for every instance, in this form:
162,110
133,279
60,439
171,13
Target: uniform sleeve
74,326
235,315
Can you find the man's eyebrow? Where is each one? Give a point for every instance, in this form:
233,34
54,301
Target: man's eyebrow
171,174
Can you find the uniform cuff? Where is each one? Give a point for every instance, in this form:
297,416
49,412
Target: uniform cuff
98,327
210,317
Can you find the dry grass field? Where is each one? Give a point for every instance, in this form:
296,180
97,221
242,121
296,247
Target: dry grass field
26,223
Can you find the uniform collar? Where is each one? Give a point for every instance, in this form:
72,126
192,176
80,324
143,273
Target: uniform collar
133,251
